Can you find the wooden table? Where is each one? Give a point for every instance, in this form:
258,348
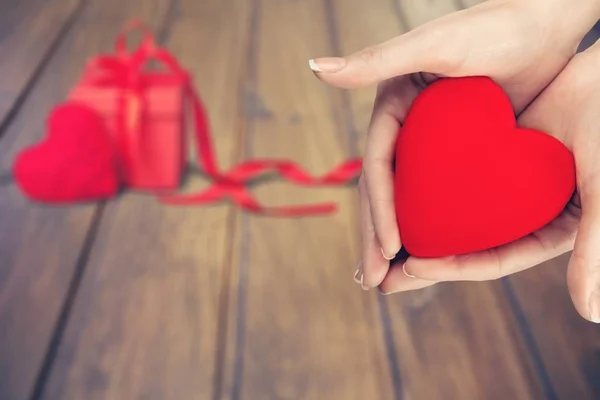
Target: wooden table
130,299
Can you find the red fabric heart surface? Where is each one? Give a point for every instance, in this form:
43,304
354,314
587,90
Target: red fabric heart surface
467,178
75,162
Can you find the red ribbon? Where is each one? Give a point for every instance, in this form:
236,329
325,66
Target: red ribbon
125,71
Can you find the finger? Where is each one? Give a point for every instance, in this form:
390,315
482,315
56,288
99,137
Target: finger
397,280
373,266
583,275
379,177
551,241
418,50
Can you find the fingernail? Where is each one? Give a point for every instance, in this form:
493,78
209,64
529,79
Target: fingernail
406,273
356,276
595,307
386,256
327,64
362,284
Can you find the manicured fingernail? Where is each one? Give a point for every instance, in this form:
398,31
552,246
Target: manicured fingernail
386,256
327,64
357,276
595,307
405,272
362,284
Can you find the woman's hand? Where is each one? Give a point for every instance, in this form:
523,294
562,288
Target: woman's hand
568,110
522,44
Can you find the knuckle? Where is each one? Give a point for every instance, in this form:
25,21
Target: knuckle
389,103
371,54
381,201
374,164
590,264
365,167
372,57
376,160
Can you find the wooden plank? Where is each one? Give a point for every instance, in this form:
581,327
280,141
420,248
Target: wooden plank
568,345
418,12
111,11
462,337
29,29
303,330
146,322
40,247
452,341
377,25
468,3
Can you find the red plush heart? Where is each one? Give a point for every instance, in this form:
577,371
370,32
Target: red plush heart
467,178
74,163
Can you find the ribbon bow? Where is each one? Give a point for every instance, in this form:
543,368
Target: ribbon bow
124,69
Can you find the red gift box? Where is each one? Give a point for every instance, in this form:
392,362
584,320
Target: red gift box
142,125
144,114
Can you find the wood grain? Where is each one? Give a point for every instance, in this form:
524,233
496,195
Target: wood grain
462,337
358,25
115,11
146,323
568,345
29,30
468,3
40,246
138,300
454,341
419,12
302,330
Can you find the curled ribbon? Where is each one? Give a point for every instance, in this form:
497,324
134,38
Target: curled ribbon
125,70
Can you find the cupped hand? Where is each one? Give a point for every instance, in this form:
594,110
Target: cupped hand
568,110
522,44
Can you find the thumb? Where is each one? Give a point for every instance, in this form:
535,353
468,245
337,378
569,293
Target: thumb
583,275
424,49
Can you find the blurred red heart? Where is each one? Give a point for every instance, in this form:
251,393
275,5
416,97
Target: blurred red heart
74,163
467,179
